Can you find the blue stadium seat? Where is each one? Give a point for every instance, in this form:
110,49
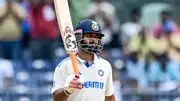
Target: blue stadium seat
41,78
44,93
36,78
21,93
118,63
24,99
60,54
22,77
2,98
116,53
18,97
177,99
46,89
21,89
46,99
46,78
164,99
18,66
39,65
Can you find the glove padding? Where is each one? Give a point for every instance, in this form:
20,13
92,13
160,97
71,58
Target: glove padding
73,83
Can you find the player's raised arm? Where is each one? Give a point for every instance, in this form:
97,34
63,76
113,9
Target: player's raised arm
71,85
57,91
64,84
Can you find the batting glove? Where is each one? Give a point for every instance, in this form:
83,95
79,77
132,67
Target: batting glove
73,83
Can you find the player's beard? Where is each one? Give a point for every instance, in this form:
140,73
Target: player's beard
86,45
91,49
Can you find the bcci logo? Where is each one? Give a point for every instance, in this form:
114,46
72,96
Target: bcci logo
95,26
101,72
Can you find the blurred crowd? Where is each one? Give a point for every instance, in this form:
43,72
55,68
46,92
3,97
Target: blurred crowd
141,56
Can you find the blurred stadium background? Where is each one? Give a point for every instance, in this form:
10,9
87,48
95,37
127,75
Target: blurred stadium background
142,43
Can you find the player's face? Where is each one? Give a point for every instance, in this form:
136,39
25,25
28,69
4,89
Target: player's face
91,43
92,38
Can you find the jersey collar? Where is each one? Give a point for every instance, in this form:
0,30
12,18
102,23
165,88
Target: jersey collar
83,61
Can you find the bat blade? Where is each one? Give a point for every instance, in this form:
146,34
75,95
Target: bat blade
66,29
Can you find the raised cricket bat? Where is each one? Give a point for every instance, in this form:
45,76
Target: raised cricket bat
66,29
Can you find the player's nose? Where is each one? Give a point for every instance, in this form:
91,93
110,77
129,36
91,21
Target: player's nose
93,41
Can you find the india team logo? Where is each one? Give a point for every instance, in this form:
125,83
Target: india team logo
101,72
95,26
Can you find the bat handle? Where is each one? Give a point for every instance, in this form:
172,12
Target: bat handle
74,63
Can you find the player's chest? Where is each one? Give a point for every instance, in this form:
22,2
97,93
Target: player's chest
93,73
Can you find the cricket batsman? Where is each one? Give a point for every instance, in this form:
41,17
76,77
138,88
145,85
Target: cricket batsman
94,81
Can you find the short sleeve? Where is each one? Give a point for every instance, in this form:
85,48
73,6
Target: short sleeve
59,77
109,85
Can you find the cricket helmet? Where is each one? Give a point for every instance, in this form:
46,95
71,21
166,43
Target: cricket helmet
90,45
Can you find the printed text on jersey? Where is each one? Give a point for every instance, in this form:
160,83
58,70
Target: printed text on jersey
93,84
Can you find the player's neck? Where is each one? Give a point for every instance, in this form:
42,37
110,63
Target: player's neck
86,56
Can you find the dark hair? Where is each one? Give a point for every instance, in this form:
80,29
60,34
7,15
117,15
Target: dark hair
135,11
166,12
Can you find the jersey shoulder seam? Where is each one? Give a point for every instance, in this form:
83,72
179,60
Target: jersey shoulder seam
63,61
101,58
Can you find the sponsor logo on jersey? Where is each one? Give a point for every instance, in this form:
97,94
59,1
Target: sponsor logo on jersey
93,84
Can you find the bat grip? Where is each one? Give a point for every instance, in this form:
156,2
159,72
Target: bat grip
74,63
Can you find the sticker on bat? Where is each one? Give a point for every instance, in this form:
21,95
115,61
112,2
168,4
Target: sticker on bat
68,30
70,41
